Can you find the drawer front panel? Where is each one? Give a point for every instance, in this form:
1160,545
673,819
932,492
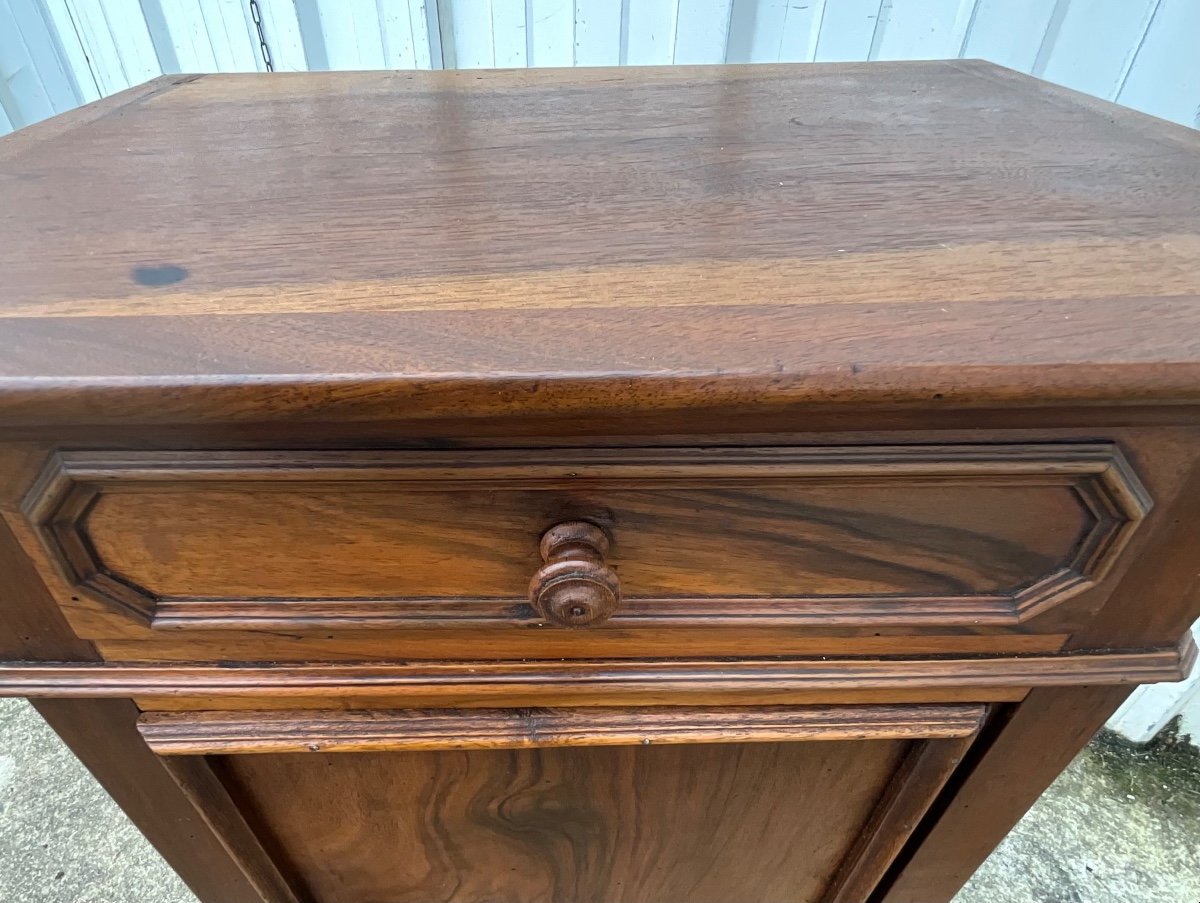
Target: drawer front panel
337,542
895,535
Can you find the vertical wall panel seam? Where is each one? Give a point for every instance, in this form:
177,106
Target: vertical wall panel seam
814,36
966,35
8,108
1131,57
385,43
491,20
820,33
675,31
32,66
728,25
623,51
881,16
213,36
113,37
413,40
787,8
156,21
58,59
59,41
146,25
224,32
354,34
84,48
1050,37
8,101
433,34
312,36
675,6
528,33
445,25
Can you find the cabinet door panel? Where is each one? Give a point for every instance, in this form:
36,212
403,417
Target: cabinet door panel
706,822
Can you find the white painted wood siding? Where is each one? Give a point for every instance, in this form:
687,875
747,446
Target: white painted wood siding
1151,708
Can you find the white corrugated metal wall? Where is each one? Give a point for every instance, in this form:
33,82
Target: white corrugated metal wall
57,54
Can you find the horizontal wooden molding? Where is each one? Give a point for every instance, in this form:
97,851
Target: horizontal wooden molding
665,682
1098,474
203,733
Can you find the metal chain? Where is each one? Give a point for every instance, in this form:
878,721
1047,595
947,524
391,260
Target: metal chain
256,15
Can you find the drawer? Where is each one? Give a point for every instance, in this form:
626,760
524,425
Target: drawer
894,538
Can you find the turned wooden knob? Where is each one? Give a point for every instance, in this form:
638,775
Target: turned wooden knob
574,588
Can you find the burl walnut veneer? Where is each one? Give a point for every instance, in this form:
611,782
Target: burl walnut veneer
742,485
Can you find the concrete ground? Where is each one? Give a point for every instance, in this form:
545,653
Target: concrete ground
1121,825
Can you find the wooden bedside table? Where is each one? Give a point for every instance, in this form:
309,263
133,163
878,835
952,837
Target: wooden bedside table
707,484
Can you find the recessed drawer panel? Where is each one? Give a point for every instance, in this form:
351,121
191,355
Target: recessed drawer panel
848,536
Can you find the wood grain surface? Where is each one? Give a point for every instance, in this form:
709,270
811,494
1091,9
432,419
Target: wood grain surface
221,814
232,304
205,733
915,787
1003,777
566,683
374,644
342,246
103,735
706,823
874,536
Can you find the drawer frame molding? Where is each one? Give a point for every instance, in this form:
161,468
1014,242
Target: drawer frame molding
391,730
1105,484
598,682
